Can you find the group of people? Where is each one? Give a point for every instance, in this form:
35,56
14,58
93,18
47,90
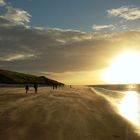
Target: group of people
54,86
35,88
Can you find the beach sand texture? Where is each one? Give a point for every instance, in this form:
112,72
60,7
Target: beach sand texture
74,113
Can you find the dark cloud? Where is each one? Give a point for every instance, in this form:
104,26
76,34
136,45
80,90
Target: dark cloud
58,50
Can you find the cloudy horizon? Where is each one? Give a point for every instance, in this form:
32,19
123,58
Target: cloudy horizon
72,54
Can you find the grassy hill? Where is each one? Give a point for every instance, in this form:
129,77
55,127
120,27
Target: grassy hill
10,77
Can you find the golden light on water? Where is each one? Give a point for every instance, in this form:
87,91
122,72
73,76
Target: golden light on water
125,68
129,107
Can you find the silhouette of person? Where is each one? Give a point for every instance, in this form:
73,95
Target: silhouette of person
53,86
26,88
35,87
56,86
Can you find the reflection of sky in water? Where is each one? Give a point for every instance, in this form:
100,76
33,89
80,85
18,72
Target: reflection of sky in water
129,107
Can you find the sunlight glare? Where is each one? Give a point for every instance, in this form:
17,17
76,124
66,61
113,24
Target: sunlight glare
125,68
129,107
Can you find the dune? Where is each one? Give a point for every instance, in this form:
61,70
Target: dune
65,114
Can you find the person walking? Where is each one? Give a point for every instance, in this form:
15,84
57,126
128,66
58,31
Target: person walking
36,88
27,88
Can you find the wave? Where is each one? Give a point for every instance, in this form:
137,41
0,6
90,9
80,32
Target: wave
112,95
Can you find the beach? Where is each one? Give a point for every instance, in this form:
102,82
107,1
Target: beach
75,113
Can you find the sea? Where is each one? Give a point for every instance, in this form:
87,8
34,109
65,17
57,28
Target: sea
126,103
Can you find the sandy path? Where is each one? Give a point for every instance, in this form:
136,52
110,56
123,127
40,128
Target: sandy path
65,114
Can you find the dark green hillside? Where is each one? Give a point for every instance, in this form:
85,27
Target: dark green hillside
10,77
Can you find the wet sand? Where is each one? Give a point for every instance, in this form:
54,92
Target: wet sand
65,114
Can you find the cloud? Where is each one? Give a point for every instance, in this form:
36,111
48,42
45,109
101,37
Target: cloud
12,16
59,50
16,16
102,27
14,57
62,53
2,3
45,42
126,12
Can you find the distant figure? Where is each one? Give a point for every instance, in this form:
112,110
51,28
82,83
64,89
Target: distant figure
26,88
35,87
55,86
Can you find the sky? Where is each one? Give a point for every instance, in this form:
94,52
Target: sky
72,14
73,41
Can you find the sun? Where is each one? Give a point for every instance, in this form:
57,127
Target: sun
124,68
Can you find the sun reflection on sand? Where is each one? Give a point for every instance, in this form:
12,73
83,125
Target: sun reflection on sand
129,107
